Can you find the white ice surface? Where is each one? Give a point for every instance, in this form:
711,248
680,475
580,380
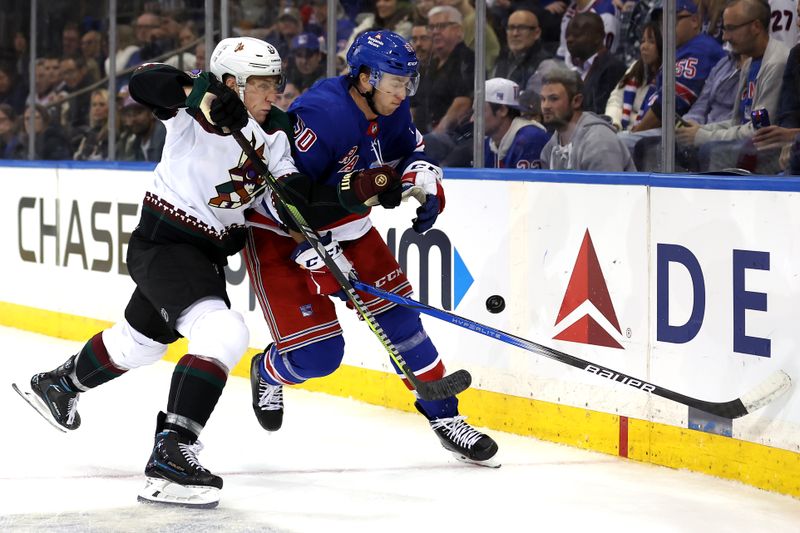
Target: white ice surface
336,466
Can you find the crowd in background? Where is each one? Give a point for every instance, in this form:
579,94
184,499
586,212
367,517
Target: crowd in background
572,84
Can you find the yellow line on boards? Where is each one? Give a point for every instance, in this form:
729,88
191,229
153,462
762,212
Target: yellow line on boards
758,465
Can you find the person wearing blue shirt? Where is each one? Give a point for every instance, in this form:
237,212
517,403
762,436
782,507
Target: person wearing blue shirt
511,141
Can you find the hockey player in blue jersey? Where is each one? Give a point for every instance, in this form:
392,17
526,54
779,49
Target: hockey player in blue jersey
350,126
511,141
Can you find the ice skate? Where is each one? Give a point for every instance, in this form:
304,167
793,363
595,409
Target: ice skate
267,399
54,397
176,477
466,443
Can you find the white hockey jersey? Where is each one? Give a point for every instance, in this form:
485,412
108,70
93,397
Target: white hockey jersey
204,181
783,21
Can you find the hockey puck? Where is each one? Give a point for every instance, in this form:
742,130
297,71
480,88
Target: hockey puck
495,304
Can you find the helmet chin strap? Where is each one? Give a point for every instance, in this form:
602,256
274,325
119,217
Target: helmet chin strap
369,97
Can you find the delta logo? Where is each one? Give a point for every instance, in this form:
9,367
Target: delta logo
587,290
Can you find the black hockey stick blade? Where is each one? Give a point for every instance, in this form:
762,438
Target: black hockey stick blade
427,390
447,387
770,389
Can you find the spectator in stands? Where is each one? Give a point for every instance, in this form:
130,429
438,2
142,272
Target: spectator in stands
783,28
599,70
185,60
146,141
491,42
70,40
171,23
523,53
421,40
609,22
746,27
385,14
187,35
581,140
92,52
696,54
444,99
626,101
511,141
50,142
150,36
306,65
52,70
318,23
719,92
11,146
75,75
127,53
289,94
13,91
420,11
22,55
92,145
787,123
286,29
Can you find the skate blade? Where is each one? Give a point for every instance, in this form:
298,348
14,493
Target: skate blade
164,492
39,406
488,463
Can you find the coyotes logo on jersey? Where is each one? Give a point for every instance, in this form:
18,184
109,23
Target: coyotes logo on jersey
245,183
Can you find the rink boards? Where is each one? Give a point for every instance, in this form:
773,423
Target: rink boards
687,282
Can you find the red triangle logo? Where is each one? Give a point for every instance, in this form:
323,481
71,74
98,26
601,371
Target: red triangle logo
588,283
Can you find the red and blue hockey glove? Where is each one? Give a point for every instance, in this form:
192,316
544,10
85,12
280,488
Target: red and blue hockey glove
374,186
423,181
220,106
320,280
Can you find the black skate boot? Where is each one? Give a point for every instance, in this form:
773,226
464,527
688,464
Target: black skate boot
54,396
174,474
465,442
267,399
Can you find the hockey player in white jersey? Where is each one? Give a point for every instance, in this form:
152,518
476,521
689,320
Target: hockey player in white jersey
192,219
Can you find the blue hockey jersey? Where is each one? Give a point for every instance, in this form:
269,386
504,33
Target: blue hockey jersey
332,137
693,62
521,147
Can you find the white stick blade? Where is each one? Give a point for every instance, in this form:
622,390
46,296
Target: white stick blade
770,389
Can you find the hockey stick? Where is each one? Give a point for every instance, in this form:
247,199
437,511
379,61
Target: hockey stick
439,389
775,385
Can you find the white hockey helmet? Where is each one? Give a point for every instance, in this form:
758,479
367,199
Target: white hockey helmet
243,57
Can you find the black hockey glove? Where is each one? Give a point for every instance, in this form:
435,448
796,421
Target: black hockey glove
374,186
220,106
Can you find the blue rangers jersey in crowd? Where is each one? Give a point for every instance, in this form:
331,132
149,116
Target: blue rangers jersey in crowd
333,137
693,62
520,147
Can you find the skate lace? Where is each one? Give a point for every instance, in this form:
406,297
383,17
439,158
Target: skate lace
270,396
72,409
459,431
190,451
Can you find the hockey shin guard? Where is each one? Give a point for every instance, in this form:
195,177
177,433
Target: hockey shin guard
404,328
196,386
93,366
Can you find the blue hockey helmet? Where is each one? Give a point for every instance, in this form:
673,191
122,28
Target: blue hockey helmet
384,52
